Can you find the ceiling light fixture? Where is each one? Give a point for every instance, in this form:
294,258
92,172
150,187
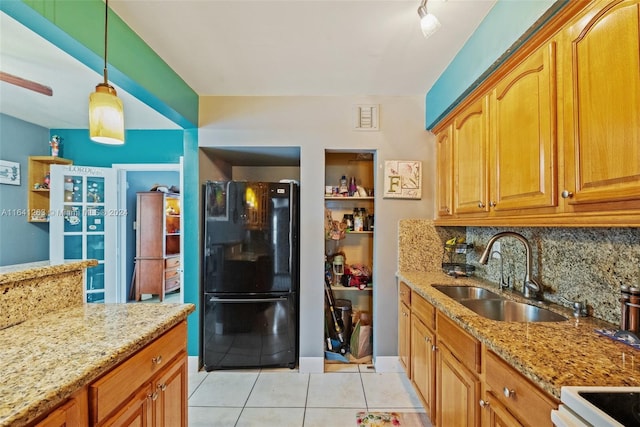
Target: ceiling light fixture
106,117
428,22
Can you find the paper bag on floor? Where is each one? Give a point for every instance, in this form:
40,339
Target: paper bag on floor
361,340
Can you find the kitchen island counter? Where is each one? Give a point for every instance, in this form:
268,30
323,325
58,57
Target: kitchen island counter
48,358
551,354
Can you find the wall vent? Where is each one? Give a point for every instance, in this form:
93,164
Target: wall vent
366,117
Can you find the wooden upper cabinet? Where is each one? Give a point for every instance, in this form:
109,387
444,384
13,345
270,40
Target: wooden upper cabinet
523,149
601,83
444,175
470,159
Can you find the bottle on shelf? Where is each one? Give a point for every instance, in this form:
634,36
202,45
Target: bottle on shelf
344,189
353,188
358,220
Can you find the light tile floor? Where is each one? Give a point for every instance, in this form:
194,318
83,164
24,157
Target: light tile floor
287,398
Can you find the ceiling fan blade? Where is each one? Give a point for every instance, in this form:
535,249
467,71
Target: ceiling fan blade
27,84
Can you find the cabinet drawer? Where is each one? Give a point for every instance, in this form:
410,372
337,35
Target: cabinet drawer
170,274
172,284
462,345
173,262
405,294
521,397
109,392
424,310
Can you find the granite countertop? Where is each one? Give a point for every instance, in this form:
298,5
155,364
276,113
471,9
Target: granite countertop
34,270
46,359
551,354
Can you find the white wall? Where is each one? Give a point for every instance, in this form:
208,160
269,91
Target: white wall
315,124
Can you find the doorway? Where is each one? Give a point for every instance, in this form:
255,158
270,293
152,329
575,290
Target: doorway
133,178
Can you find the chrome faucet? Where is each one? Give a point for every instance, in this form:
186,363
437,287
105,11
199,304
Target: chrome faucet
531,288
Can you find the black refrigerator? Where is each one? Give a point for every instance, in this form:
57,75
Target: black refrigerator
250,277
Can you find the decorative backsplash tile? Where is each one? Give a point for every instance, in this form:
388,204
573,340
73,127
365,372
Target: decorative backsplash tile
579,264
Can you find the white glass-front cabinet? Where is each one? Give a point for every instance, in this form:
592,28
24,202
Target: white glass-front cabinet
83,219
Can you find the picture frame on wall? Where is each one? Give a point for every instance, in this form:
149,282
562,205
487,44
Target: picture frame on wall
9,172
402,179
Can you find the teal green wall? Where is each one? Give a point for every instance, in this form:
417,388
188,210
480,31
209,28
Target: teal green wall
191,199
503,27
77,27
141,146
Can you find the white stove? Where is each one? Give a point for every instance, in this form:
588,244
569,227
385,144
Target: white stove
598,407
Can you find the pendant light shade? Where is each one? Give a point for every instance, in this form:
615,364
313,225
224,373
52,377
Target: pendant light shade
428,22
106,116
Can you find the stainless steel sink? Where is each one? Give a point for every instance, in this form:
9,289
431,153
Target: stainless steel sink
511,311
466,292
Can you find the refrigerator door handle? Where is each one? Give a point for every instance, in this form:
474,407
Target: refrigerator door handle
245,300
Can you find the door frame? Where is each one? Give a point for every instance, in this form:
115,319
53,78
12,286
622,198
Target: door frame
122,169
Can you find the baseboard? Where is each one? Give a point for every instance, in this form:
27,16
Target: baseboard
311,365
387,364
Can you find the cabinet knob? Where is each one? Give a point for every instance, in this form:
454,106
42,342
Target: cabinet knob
152,396
483,403
480,205
566,194
427,339
162,387
493,204
434,348
447,210
508,393
403,293
156,360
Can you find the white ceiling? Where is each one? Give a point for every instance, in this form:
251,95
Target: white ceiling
249,48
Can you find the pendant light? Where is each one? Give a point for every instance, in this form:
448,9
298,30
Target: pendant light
428,22
106,117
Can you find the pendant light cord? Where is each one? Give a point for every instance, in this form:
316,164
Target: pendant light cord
106,21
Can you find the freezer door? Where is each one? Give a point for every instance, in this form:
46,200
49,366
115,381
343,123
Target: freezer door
249,332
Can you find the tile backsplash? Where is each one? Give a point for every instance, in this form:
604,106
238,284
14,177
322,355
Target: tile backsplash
579,264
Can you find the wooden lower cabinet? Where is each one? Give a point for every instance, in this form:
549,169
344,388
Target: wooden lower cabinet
148,389
159,403
136,412
458,391
423,364
404,337
72,413
507,388
462,383
404,327
495,414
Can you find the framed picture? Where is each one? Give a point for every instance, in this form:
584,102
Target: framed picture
402,179
9,172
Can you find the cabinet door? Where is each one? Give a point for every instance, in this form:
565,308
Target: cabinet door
423,364
458,391
495,414
601,79
444,174
523,135
404,337
470,159
137,412
71,414
171,404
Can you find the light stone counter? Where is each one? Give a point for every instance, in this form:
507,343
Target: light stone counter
551,354
34,289
48,358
